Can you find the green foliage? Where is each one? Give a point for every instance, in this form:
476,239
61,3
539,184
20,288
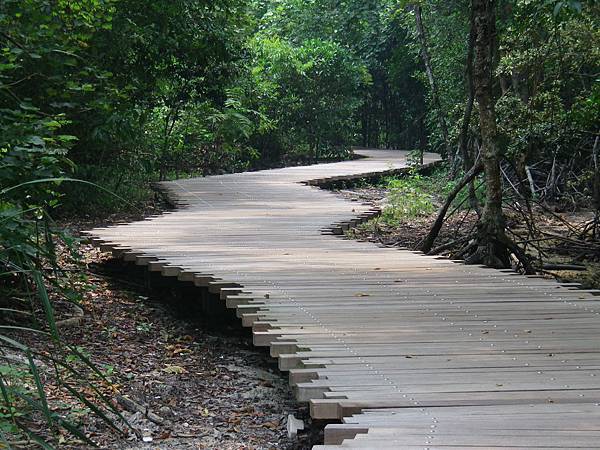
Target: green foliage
549,111
391,105
202,137
408,197
45,84
414,195
85,80
564,6
547,86
310,92
447,28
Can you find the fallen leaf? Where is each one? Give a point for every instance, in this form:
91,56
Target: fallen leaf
271,425
174,369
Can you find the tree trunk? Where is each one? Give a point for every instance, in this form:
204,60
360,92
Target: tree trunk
427,244
492,242
464,129
596,182
596,187
463,139
432,83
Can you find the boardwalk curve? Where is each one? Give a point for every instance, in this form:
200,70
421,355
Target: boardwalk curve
408,351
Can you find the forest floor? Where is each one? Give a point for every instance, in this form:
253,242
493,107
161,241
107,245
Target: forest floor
205,386
180,383
553,229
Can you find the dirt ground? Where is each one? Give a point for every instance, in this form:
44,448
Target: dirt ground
405,234
180,380
408,233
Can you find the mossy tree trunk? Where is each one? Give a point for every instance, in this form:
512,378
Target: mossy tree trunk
492,242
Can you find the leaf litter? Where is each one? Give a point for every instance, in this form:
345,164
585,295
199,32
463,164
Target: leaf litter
179,384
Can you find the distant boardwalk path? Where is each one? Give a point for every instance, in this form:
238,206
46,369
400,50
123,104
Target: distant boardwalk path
412,352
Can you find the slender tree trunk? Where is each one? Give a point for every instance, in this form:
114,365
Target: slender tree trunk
471,170
427,244
435,98
596,186
596,159
463,141
492,242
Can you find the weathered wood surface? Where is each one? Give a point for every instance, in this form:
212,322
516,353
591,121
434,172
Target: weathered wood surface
434,353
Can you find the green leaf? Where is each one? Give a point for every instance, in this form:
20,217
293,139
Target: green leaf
35,140
557,8
43,296
40,388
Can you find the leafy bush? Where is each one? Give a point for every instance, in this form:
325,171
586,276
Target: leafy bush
310,91
42,81
201,137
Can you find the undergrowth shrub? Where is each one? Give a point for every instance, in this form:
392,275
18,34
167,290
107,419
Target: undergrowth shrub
407,198
416,195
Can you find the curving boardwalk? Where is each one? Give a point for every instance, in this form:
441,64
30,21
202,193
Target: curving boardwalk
408,351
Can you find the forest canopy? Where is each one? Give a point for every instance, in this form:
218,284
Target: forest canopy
121,92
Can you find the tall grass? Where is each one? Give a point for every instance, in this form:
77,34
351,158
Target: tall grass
33,356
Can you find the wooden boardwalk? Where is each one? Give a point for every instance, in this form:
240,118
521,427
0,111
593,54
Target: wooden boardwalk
408,351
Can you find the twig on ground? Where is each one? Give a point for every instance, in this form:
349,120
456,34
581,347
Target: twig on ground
448,245
133,406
